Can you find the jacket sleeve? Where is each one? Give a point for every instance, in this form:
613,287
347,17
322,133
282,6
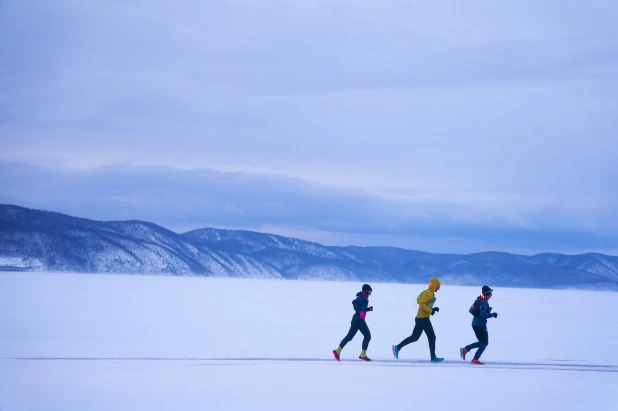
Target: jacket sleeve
425,298
483,308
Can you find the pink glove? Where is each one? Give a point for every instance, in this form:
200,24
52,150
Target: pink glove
370,308
362,315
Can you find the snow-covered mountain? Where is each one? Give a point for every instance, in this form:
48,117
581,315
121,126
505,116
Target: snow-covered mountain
33,240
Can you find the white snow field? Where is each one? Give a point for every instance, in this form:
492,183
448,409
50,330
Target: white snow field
118,342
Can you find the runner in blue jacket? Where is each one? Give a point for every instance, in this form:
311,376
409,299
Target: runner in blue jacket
358,323
481,312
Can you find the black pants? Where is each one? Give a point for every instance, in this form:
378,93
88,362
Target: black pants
483,340
422,324
357,325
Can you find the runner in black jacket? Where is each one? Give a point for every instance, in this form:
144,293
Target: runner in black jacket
361,308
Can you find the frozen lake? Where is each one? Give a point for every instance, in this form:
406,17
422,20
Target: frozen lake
114,342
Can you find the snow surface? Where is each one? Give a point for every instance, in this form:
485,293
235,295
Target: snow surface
121,342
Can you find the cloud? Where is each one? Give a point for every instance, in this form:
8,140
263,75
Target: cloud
188,199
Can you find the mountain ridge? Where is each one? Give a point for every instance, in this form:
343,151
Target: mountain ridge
37,240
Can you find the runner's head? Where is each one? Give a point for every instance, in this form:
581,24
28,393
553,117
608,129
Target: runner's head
434,284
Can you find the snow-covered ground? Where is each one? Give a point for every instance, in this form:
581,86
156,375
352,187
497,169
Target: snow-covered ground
107,342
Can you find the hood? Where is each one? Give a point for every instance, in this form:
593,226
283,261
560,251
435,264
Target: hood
360,294
434,283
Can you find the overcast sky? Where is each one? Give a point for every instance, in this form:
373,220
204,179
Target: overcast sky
443,126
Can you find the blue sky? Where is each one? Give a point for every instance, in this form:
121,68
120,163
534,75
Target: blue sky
441,126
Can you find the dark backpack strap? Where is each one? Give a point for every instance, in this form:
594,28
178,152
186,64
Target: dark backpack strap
476,305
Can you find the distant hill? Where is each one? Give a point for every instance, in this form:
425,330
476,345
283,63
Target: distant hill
33,240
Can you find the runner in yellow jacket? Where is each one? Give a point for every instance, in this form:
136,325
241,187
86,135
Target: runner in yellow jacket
426,301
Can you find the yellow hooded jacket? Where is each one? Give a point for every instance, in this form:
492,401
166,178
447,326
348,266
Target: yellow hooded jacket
426,299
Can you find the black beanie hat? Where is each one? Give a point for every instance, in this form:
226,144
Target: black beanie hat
367,287
487,290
